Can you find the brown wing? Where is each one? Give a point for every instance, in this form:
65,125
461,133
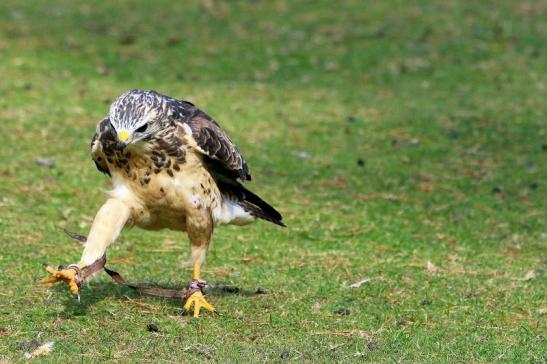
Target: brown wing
215,143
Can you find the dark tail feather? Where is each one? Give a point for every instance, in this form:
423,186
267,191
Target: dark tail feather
248,200
261,208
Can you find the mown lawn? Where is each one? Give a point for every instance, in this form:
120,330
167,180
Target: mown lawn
404,142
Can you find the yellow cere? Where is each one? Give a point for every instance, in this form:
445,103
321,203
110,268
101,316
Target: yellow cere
123,135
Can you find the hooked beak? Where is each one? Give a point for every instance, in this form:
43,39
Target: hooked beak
123,137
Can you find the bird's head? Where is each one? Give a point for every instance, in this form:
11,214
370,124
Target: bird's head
137,116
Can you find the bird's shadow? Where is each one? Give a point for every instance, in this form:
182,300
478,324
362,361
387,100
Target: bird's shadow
97,291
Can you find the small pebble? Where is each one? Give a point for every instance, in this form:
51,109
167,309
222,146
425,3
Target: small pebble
496,189
372,345
302,155
360,162
402,322
342,312
152,327
285,355
45,162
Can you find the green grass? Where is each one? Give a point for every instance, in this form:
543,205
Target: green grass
443,101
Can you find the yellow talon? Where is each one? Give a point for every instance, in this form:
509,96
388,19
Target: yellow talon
68,276
198,301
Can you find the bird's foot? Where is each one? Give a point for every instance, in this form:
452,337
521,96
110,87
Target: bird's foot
70,275
196,298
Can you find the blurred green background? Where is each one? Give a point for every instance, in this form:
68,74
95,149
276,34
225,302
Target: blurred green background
404,142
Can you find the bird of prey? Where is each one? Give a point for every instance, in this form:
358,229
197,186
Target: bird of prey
171,166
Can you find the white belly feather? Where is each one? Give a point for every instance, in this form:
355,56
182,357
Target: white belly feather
230,212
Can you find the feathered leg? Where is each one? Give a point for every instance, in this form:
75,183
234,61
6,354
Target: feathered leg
200,229
107,225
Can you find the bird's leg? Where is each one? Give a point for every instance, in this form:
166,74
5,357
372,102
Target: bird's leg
196,296
199,242
108,223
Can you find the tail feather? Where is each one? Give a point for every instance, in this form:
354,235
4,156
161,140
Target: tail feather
251,202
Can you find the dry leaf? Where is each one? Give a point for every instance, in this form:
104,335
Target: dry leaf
424,177
333,347
41,350
302,155
426,187
431,268
360,283
452,257
336,182
528,277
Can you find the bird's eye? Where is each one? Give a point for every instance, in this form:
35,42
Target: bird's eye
142,129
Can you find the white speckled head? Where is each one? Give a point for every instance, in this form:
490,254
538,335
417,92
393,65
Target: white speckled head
138,113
